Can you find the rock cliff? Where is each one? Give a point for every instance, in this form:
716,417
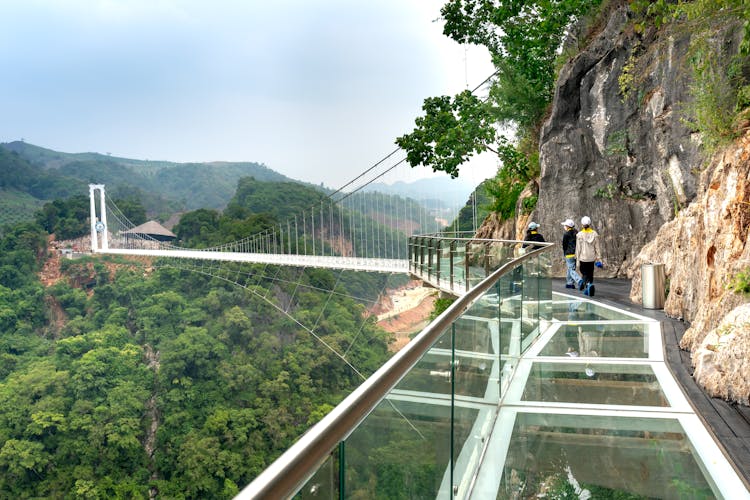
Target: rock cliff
616,147
703,249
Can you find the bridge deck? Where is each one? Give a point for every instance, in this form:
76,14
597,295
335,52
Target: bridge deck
728,422
348,263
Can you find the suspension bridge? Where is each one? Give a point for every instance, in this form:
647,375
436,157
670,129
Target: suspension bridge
353,229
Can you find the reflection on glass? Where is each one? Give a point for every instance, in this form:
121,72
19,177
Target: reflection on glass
594,383
325,481
602,340
582,310
404,453
565,456
475,334
433,375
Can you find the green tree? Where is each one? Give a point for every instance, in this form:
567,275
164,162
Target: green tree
523,39
66,218
451,131
132,208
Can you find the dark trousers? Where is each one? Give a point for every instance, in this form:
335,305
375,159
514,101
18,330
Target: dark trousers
587,271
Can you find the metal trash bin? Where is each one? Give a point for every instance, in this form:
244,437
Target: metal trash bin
652,286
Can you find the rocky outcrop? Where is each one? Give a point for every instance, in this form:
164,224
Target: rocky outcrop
722,360
494,228
703,249
615,146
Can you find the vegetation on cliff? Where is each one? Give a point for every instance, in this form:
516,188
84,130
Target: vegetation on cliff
530,42
523,39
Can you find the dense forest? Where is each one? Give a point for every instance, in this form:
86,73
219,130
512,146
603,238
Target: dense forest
129,378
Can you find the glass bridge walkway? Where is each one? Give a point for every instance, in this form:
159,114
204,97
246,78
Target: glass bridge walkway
514,392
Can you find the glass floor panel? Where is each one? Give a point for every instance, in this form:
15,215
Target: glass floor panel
605,419
572,309
594,383
623,340
563,456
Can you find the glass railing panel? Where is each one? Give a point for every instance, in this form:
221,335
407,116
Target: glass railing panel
401,450
544,271
530,295
499,253
471,430
478,256
325,483
476,369
459,266
432,373
476,330
445,265
625,457
594,383
608,340
509,290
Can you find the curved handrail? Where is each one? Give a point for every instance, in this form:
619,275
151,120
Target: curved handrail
295,466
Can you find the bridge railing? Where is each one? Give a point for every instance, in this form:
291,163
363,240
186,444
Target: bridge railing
456,262
418,427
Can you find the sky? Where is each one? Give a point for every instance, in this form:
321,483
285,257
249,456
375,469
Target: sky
317,90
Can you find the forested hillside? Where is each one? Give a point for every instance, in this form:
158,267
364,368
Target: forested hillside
127,378
163,187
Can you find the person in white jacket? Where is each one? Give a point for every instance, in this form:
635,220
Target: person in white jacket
588,255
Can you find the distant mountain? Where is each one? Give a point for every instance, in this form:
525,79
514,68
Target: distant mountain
432,192
162,186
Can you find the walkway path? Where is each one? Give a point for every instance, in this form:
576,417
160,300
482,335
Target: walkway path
728,422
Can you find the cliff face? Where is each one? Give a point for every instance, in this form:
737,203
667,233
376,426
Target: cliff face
615,147
703,249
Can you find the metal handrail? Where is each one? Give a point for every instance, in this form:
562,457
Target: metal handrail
294,467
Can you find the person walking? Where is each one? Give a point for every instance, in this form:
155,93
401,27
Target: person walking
588,255
533,234
572,278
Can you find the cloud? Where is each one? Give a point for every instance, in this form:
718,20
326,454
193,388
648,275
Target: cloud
315,90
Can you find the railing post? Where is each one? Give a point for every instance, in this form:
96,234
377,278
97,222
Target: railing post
450,260
439,254
342,470
430,254
467,279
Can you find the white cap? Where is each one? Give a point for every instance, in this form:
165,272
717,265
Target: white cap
533,225
585,220
569,223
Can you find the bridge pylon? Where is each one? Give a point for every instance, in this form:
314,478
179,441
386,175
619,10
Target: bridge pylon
98,225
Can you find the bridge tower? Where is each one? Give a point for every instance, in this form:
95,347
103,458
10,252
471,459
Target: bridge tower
98,226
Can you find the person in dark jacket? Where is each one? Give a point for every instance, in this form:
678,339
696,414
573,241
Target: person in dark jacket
572,278
533,234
